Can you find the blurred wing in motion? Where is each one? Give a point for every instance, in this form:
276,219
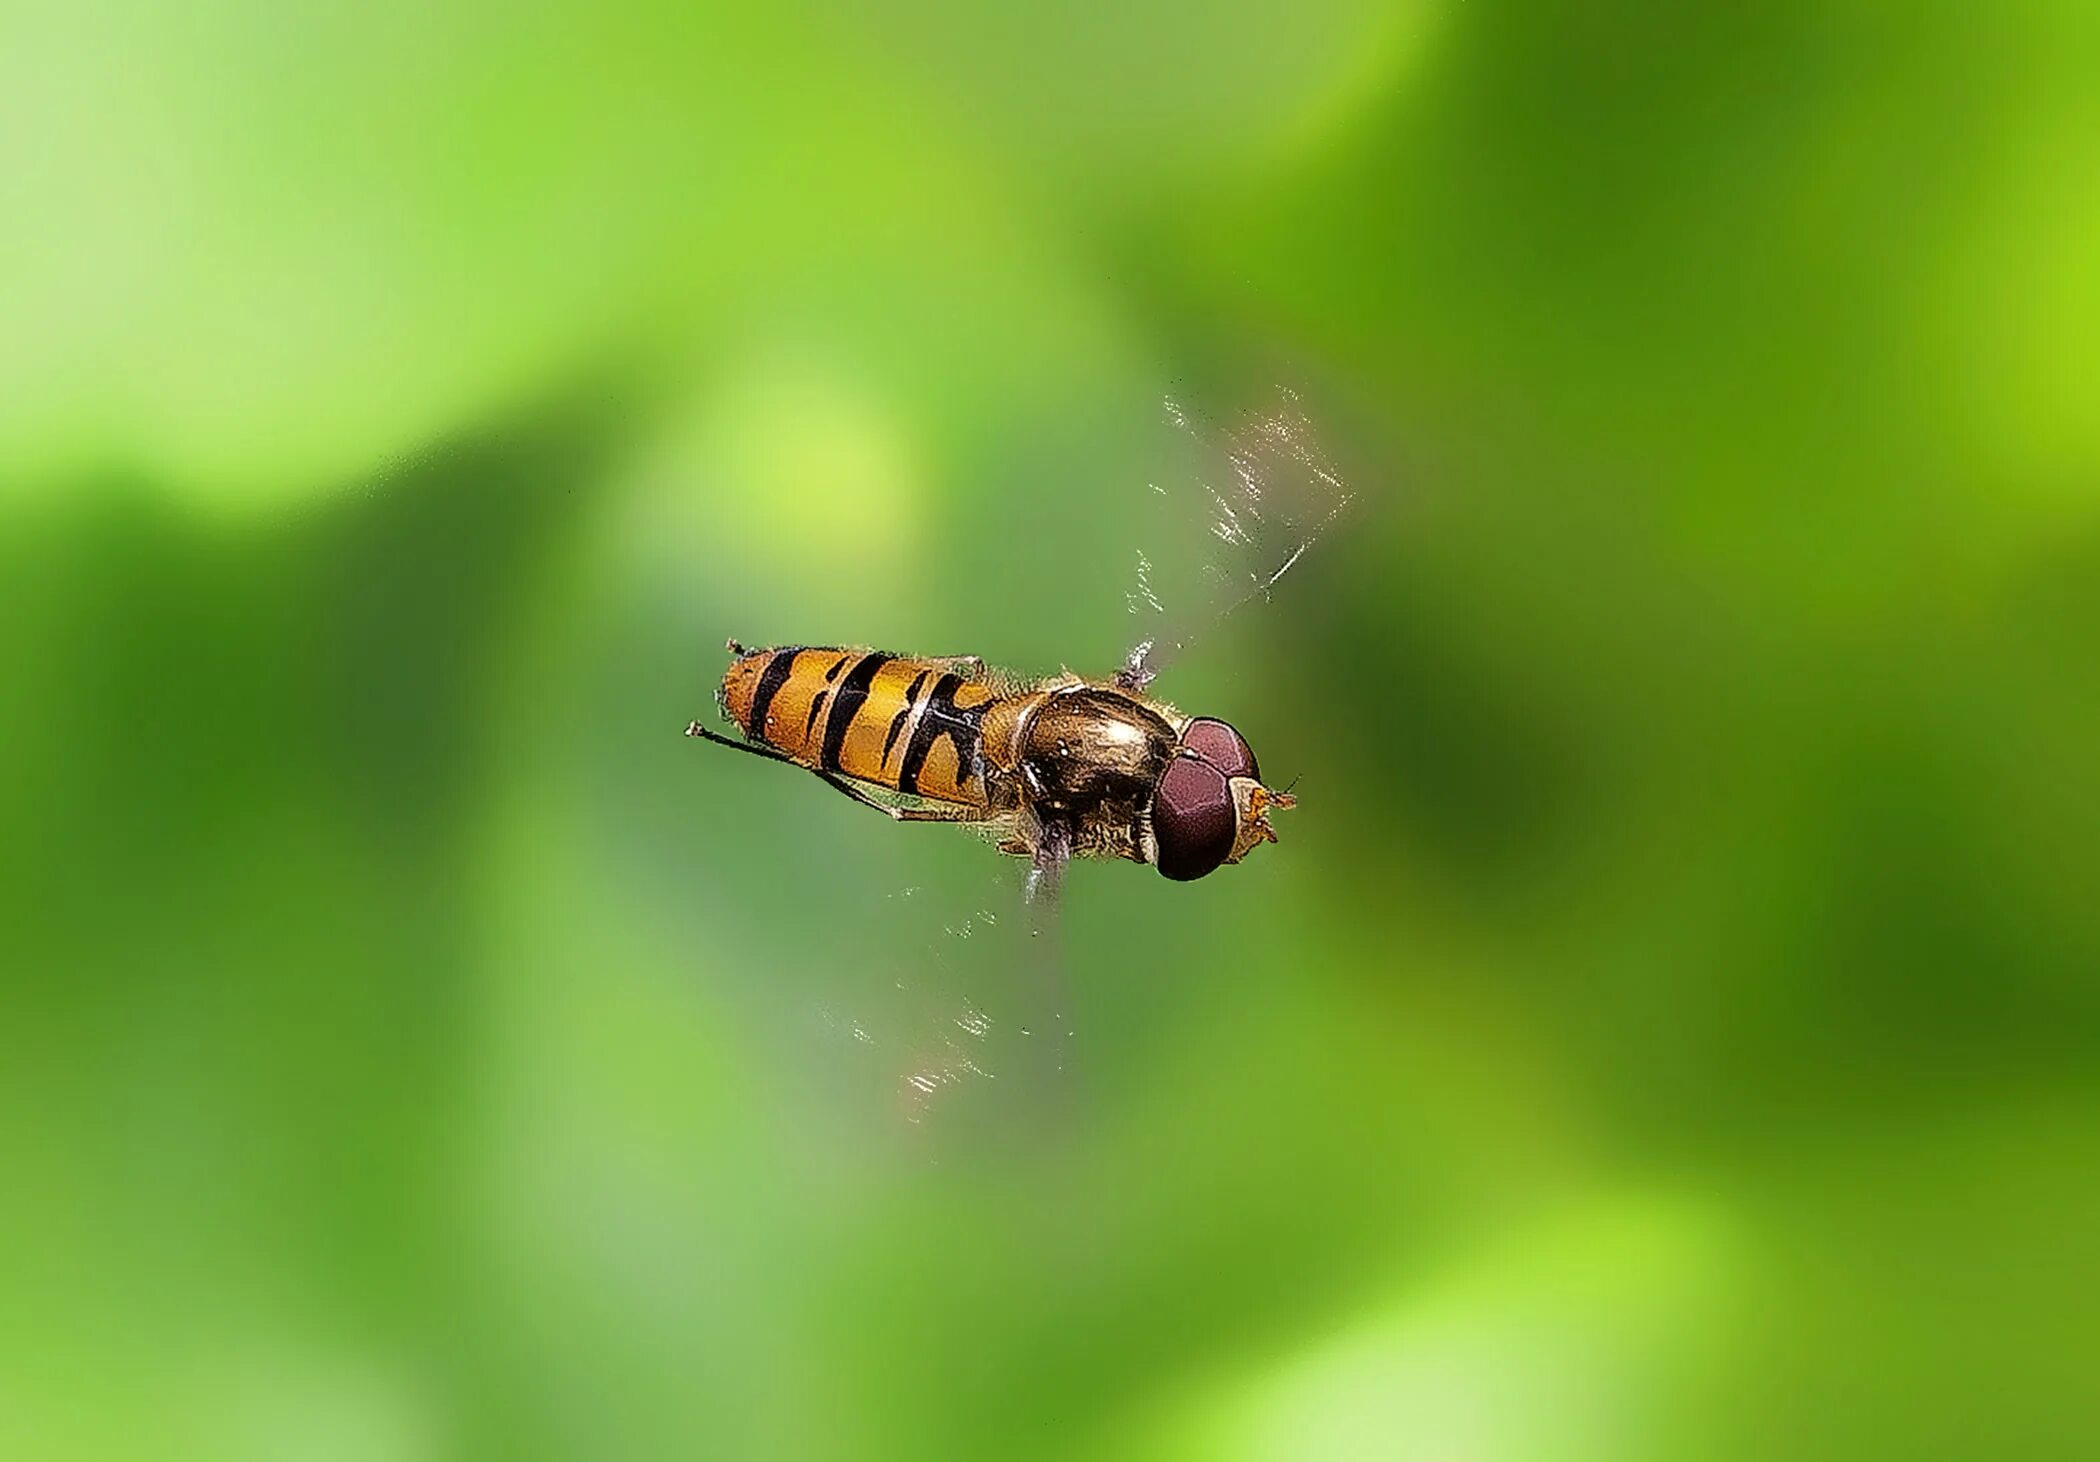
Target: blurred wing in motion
1045,884
1042,959
1241,508
965,1029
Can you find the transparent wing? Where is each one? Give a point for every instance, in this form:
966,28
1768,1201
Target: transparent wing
1236,510
1043,964
956,1030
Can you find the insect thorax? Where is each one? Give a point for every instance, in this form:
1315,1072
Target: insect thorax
1090,757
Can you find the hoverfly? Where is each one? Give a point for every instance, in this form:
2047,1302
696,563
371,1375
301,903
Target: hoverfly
1058,768
1053,768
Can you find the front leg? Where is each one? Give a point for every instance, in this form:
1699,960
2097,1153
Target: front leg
1137,671
1040,893
1046,867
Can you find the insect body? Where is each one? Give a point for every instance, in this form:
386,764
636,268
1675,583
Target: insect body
1056,768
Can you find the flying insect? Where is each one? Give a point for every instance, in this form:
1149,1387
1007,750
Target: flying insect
1050,768
1058,768
1064,766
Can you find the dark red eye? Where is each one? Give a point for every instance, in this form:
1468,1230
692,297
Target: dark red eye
1221,746
1192,818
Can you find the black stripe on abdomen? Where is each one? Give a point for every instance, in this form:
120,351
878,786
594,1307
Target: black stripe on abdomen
853,693
777,670
962,725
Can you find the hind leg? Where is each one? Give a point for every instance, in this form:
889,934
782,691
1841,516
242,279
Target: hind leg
896,814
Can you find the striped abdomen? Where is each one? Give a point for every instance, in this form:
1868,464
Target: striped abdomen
913,725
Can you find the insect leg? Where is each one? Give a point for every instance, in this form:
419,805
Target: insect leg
902,814
696,729
1045,880
1135,674
899,814
1046,868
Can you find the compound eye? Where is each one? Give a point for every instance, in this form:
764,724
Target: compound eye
1193,820
1221,746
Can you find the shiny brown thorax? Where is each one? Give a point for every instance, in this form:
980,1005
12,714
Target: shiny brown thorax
1085,754
1090,756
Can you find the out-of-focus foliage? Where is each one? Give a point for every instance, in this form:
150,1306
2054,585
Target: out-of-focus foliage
1666,1030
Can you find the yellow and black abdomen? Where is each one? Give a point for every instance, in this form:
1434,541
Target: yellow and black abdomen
912,725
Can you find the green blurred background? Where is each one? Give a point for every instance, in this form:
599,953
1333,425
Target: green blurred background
1666,1030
